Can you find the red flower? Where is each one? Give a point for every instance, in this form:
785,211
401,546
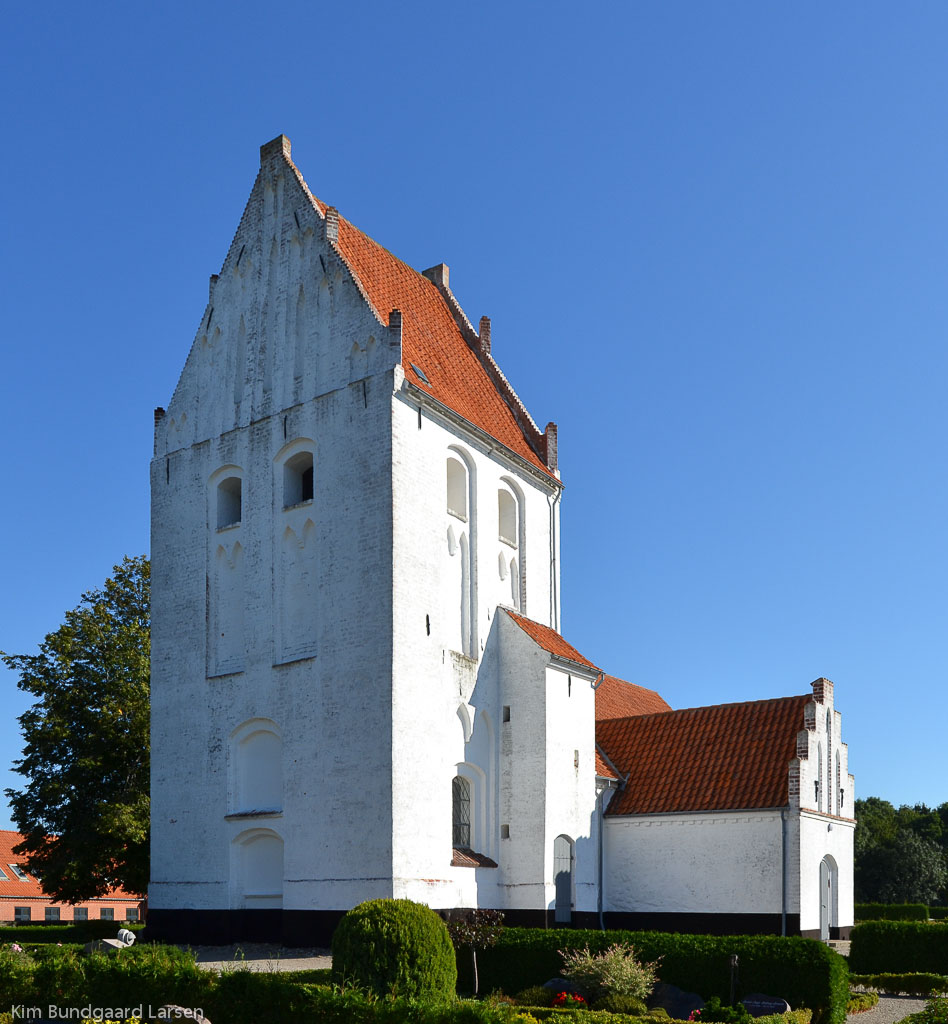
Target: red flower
568,999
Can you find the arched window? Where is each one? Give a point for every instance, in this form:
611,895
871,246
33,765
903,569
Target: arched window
229,502
839,785
459,626
461,812
818,784
256,767
298,479
257,869
457,488
296,553
507,519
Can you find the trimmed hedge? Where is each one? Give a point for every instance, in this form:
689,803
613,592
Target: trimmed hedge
81,932
803,972
891,912
904,947
921,985
394,947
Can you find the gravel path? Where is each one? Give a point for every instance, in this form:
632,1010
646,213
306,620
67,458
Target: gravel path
259,956
889,1010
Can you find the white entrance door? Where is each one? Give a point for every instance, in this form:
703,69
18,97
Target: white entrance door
827,897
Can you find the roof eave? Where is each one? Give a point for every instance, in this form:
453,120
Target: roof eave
491,442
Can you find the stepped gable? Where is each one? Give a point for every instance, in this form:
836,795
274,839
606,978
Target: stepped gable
550,640
725,757
432,338
616,698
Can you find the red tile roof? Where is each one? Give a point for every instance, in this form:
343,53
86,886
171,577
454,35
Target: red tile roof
31,889
603,768
433,340
725,757
616,698
469,859
550,640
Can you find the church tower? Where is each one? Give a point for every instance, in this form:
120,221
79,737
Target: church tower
345,492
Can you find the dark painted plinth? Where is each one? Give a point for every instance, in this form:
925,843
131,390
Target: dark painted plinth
705,924
315,927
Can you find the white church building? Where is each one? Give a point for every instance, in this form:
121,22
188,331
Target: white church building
359,685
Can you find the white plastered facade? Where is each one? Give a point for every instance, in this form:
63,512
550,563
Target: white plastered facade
332,554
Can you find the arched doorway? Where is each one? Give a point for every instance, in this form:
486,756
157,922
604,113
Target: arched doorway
829,902
564,863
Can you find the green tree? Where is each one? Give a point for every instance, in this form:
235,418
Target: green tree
876,825
84,810
910,870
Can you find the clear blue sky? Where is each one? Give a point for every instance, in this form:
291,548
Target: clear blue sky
713,241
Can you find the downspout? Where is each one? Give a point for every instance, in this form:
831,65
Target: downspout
554,596
600,802
784,818
602,811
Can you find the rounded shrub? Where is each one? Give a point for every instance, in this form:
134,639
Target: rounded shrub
394,947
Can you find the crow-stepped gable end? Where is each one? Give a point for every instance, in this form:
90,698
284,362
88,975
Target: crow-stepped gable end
360,686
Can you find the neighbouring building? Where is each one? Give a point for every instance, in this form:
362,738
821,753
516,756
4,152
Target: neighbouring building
359,684
22,900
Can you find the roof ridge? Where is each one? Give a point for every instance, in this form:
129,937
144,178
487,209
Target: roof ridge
490,363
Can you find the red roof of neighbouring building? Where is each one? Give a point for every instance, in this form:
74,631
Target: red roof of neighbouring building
31,888
615,698
724,757
549,640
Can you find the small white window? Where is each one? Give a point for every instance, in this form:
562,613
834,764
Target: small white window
19,872
229,502
507,518
457,489
52,913
298,479
3,876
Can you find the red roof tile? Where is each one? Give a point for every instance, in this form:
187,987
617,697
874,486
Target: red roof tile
726,757
469,859
31,889
550,640
603,768
431,338
615,698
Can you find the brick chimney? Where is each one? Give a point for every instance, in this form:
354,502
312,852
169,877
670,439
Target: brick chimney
332,224
484,335
552,454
